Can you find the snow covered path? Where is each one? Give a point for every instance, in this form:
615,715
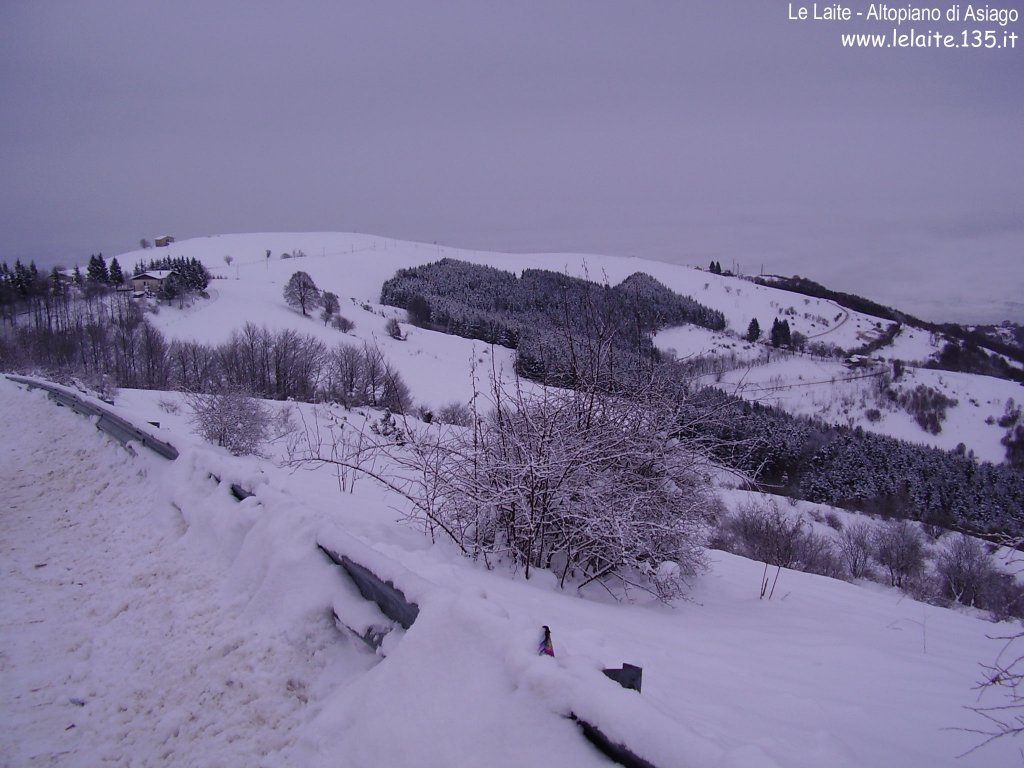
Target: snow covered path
119,646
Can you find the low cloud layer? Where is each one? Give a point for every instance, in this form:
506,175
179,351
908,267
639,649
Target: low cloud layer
682,132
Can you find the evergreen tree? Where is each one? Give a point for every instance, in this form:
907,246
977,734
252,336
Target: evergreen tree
97,271
419,310
169,288
115,273
753,330
20,281
780,335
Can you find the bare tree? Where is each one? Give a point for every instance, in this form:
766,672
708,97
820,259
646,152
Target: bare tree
967,571
395,395
344,374
855,546
302,292
331,305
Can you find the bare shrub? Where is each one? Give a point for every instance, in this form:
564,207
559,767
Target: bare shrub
455,413
927,405
168,405
1005,597
231,419
394,329
762,532
967,571
590,486
899,547
1002,681
342,324
818,555
856,547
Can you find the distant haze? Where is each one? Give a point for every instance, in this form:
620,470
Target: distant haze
680,131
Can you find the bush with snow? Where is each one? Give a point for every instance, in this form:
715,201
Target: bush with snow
231,419
590,486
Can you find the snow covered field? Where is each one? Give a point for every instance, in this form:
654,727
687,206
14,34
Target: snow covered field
355,266
150,619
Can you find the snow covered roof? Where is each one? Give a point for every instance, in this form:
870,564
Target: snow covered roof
156,274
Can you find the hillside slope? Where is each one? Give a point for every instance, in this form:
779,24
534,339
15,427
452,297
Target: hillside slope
355,266
156,620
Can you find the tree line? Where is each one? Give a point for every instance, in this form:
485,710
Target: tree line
106,340
565,330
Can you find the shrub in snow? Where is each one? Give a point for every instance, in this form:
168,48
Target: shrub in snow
588,485
458,414
231,419
342,324
927,405
856,547
394,330
761,531
899,547
966,571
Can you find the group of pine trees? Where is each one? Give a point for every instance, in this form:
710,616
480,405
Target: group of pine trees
559,325
98,273
780,334
808,459
715,268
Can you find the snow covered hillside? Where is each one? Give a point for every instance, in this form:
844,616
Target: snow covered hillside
355,266
151,619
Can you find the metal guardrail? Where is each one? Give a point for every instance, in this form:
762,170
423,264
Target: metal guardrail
120,429
391,600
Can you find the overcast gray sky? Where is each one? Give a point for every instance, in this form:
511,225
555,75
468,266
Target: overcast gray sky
681,131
